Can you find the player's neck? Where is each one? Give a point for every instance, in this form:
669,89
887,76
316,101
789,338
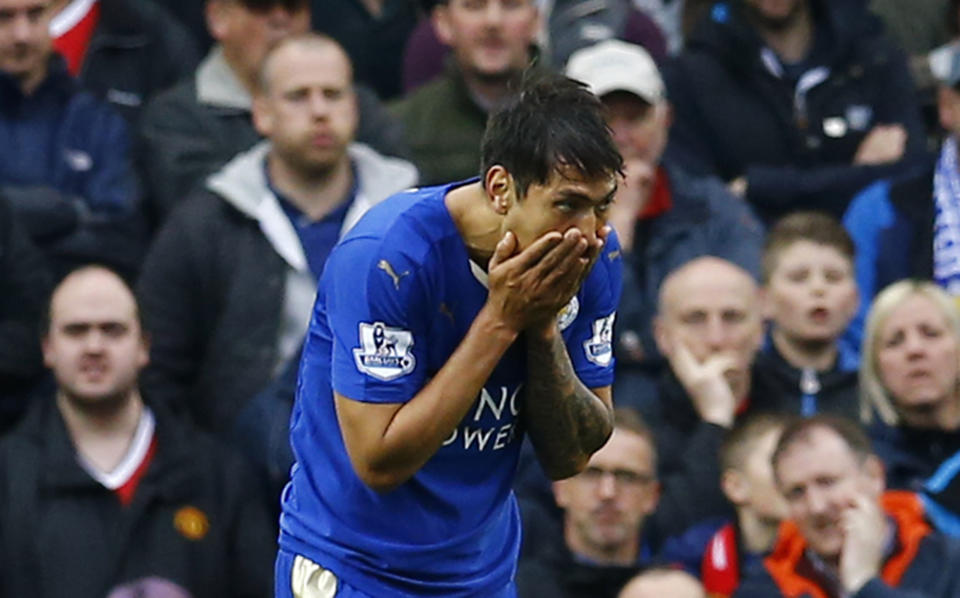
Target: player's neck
479,225
102,435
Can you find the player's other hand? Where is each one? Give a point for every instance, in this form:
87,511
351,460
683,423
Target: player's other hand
529,287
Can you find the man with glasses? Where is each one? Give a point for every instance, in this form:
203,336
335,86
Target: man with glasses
605,507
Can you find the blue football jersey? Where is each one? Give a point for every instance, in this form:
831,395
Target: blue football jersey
397,296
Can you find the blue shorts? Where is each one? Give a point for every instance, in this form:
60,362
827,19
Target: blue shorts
299,577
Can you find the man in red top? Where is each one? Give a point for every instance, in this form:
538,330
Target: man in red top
847,537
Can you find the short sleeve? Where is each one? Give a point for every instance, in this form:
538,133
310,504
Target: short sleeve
375,310
589,331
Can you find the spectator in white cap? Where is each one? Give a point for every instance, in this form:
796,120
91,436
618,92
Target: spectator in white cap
663,216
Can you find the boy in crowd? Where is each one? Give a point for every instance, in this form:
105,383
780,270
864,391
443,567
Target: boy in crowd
722,552
809,297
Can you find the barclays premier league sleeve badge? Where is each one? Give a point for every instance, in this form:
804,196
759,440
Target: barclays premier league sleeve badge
599,347
385,352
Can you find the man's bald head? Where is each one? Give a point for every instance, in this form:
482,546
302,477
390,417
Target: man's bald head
306,106
701,271
298,44
712,306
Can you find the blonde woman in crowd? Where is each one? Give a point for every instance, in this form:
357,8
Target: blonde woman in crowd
910,391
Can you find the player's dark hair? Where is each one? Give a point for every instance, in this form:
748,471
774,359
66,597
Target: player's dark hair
550,124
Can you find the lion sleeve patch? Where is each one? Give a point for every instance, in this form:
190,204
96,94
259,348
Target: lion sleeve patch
385,352
599,347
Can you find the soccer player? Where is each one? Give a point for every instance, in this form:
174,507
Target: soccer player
451,322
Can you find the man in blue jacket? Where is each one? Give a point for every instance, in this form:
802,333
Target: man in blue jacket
64,163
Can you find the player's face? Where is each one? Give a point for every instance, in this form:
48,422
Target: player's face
309,111
606,503
917,356
820,477
95,346
639,129
811,294
490,38
246,35
25,42
563,202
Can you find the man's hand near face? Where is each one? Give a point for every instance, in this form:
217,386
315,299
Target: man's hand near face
705,383
528,288
866,532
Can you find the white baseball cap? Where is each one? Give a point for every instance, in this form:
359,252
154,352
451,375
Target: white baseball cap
614,65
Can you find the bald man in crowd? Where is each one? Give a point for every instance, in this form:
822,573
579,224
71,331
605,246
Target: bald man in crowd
101,488
709,327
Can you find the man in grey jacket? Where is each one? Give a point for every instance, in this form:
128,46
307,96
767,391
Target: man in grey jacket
228,287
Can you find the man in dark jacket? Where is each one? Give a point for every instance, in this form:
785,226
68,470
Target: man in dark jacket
99,488
796,104
709,327
123,51
847,537
663,215
64,164
193,129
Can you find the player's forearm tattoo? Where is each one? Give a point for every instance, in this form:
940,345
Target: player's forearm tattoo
565,420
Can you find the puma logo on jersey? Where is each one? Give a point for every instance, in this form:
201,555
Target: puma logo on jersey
388,268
